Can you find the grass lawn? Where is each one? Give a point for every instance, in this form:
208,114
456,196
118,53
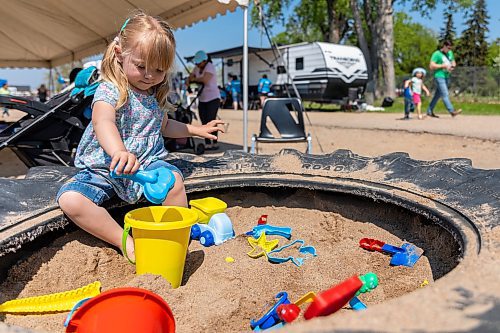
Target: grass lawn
468,107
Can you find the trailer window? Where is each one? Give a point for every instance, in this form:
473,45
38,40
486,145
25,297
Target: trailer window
281,70
299,63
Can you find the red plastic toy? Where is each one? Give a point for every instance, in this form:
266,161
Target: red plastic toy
288,312
123,310
371,244
262,220
334,298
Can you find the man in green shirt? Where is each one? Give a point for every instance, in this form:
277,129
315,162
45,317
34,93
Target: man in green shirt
442,63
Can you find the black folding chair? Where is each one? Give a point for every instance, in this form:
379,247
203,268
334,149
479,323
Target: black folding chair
286,115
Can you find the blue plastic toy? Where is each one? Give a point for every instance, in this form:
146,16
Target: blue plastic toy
306,250
406,255
157,182
218,230
270,230
275,327
271,317
356,304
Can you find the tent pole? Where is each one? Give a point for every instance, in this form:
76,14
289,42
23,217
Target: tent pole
245,78
51,82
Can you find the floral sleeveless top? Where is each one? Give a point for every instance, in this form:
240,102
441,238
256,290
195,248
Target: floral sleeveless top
139,124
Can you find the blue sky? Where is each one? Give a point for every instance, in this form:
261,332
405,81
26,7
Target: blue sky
227,31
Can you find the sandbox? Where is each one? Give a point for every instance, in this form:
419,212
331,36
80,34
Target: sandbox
223,297
329,205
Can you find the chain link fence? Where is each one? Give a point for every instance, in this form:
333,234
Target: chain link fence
466,83
475,82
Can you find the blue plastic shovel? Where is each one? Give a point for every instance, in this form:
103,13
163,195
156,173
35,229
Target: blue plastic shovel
157,182
406,255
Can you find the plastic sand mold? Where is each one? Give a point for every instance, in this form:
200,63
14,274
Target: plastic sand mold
58,302
261,246
304,252
270,230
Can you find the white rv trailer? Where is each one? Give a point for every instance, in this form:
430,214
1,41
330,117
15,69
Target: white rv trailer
322,72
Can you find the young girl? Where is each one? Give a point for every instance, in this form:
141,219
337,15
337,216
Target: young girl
417,85
408,96
127,126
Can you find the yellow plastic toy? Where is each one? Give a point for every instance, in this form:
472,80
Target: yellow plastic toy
307,298
207,207
58,302
161,237
162,233
261,246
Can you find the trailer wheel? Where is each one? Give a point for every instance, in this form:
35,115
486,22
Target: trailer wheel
200,149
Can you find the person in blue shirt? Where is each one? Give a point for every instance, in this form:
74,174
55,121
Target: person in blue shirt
235,87
263,88
223,96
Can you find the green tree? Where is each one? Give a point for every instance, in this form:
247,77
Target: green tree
448,32
308,22
472,48
372,21
297,32
493,57
413,44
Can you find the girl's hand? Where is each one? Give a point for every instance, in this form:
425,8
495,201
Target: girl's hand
124,162
205,131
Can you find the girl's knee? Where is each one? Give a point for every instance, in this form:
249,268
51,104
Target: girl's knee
179,184
71,202
177,195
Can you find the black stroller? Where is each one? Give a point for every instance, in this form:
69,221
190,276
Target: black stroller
186,116
49,133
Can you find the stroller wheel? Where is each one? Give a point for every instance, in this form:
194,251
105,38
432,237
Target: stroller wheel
200,149
76,99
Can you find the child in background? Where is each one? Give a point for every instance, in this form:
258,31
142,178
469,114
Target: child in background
408,95
128,120
417,85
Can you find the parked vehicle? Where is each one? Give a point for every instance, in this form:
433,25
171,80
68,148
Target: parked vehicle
322,72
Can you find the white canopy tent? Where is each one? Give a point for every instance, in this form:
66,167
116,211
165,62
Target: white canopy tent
48,33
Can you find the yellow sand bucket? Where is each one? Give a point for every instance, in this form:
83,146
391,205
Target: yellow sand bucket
161,236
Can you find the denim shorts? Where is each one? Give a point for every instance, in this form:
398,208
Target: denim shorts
98,188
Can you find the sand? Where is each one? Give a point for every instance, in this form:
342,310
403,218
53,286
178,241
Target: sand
218,296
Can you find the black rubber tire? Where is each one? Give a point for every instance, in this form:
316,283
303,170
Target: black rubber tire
463,200
200,149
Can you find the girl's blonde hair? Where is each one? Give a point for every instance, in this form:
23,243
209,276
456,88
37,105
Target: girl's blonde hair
155,40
